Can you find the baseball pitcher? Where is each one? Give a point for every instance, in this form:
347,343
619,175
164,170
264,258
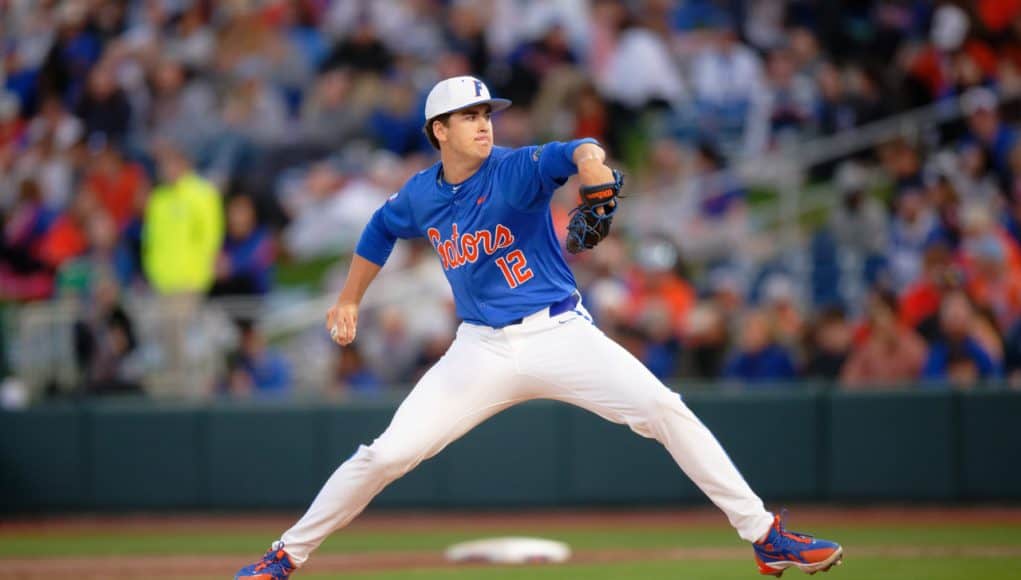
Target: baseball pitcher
525,334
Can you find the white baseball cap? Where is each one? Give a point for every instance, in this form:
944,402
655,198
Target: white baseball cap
458,93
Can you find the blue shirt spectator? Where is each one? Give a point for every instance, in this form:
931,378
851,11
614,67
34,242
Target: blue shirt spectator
772,363
760,359
987,130
946,359
397,123
959,356
256,370
245,265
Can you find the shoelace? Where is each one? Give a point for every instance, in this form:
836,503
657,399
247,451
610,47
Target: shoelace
795,536
269,558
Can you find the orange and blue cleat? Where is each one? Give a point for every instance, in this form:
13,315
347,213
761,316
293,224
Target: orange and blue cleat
276,564
781,549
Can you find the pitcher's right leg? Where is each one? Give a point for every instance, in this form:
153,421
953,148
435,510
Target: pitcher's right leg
472,382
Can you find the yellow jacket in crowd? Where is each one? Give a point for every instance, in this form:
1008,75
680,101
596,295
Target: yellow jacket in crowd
182,235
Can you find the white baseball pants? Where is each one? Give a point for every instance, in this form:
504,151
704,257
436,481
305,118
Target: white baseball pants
487,370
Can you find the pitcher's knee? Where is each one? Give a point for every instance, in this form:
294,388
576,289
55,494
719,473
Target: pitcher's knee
387,462
658,411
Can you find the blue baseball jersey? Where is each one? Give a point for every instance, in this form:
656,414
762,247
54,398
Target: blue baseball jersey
493,232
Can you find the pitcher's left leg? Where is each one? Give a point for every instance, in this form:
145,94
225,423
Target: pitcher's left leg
578,364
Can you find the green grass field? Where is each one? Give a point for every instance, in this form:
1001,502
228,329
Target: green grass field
873,551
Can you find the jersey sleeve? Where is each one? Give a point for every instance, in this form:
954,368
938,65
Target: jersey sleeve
538,171
391,221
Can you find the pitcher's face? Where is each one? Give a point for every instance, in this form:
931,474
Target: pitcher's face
469,132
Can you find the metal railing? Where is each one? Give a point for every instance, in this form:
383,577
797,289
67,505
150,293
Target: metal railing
182,343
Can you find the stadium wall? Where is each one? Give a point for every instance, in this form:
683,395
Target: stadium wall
792,445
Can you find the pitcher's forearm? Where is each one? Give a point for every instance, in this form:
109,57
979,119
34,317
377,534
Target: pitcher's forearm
359,276
590,159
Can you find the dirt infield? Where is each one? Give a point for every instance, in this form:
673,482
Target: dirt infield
204,566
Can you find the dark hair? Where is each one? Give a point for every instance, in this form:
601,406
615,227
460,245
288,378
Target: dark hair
428,129
29,190
708,149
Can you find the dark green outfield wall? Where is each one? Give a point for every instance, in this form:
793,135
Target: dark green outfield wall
789,445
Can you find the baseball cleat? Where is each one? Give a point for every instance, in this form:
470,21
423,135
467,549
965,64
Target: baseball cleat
782,549
276,564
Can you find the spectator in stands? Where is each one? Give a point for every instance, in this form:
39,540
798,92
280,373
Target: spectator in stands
256,370
254,108
106,345
980,230
759,359
104,107
119,185
828,345
531,63
353,376
245,263
791,100
729,85
912,228
106,257
25,275
932,72
994,284
781,302
941,178
396,123
47,159
988,132
639,74
718,224
193,43
859,223
660,301
183,108
66,237
889,354
920,301
328,209
183,227
12,129
656,284
333,114
976,181
871,102
465,33
835,110
901,163
74,50
959,357
706,340
361,50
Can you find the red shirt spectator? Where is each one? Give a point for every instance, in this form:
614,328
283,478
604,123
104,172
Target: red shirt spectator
889,354
997,15
921,299
67,238
933,68
117,185
662,289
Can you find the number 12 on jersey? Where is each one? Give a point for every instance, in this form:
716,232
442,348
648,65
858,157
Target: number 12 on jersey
515,268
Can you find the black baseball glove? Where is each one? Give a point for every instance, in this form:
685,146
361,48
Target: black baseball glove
590,221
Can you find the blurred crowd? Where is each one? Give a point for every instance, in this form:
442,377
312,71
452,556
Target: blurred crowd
189,148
